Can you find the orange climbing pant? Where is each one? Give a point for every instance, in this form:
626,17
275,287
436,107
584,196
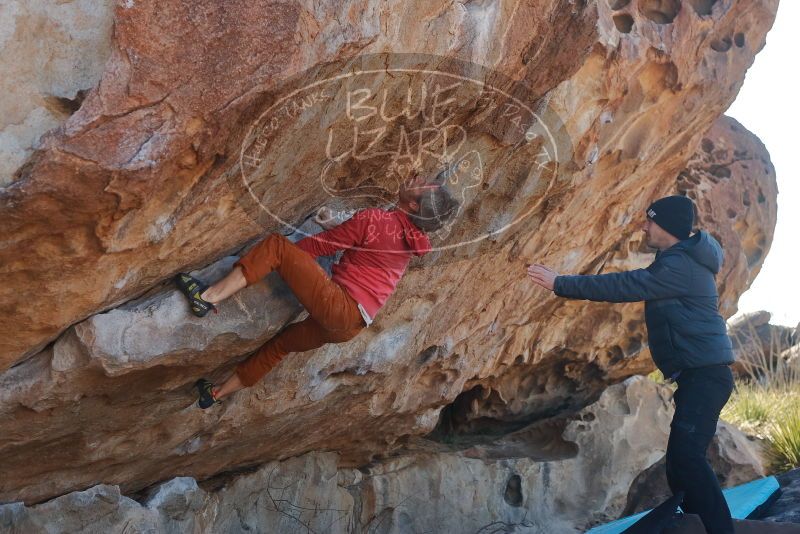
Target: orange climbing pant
333,314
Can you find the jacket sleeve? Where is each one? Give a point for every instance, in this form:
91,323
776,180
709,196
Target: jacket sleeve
346,235
669,276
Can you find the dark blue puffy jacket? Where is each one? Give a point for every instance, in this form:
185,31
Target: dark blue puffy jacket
684,326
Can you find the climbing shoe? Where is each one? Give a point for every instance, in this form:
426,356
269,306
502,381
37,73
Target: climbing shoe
193,288
205,390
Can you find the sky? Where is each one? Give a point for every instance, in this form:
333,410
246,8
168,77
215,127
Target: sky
767,105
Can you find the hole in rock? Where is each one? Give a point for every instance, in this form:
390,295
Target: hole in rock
721,45
618,4
513,493
707,145
731,213
702,7
539,441
531,421
63,105
623,22
754,257
426,355
222,479
634,346
738,39
463,417
616,353
720,171
660,11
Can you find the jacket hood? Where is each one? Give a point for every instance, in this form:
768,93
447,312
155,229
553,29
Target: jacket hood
416,239
703,249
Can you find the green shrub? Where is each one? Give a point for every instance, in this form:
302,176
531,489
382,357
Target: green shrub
766,403
784,442
749,406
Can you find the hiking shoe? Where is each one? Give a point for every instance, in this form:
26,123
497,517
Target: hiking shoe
192,288
205,390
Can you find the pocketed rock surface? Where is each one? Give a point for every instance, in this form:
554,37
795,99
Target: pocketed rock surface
143,180
554,477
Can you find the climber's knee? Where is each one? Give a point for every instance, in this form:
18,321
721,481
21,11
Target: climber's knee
341,336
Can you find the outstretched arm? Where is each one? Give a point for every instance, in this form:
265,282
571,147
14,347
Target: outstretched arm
346,235
666,278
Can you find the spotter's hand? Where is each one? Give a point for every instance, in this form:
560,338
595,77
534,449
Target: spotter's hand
543,276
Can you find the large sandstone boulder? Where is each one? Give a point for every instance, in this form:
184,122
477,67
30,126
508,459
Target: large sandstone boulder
735,458
556,476
759,345
99,354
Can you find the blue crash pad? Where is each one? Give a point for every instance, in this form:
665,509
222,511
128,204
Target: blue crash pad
743,500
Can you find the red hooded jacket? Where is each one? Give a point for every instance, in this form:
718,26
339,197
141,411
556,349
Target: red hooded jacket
378,245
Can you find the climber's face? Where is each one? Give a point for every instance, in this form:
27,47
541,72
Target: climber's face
411,190
656,236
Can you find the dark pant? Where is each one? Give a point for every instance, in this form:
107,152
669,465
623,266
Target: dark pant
701,394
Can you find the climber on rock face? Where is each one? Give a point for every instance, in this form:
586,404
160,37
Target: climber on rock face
687,337
378,245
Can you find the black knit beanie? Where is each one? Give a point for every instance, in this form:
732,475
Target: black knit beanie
674,214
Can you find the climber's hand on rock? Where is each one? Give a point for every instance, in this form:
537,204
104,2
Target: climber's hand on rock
543,276
325,218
